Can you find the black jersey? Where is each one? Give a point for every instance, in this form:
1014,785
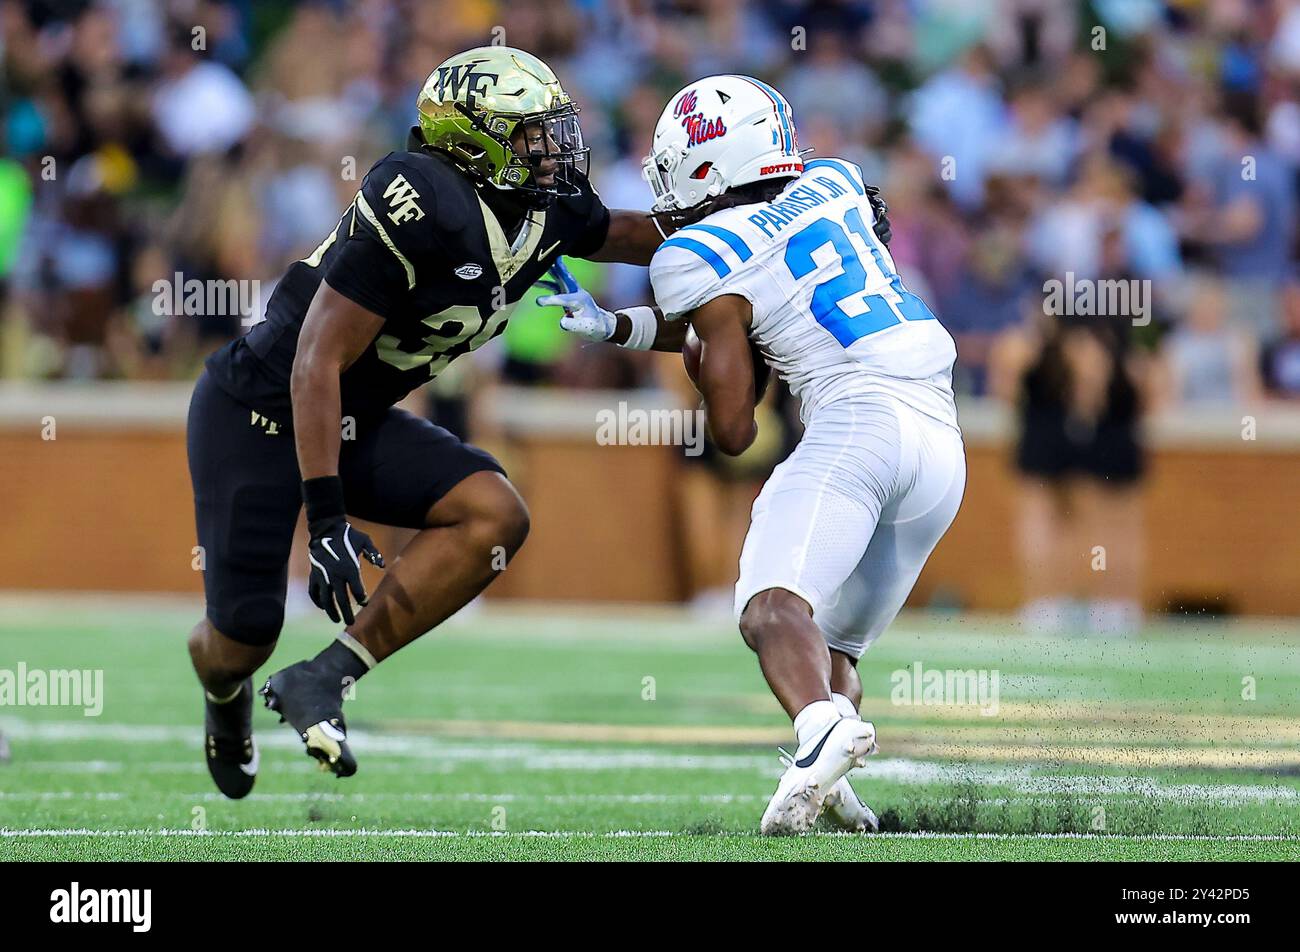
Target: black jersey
420,248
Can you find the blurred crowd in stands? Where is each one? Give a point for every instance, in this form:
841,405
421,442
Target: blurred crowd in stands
1015,140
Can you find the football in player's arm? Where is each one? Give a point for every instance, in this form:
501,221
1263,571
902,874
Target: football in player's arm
790,255
726,369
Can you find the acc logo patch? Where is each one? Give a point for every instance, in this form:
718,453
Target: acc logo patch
469,271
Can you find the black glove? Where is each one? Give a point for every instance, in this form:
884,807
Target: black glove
335,550
880,208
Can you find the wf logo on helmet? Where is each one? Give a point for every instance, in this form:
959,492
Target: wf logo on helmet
460,77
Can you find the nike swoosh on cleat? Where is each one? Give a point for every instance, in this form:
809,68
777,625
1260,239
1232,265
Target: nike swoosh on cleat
812,756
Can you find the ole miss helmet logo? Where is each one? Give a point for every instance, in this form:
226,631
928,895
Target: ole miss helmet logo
698,129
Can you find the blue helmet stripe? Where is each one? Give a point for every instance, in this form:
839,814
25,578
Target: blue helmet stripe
787,138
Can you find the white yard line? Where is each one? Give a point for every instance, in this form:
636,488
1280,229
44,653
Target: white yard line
448,753
433,755
44,795
412,797
615,834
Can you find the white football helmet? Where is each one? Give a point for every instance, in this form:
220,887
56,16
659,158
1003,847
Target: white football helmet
717,133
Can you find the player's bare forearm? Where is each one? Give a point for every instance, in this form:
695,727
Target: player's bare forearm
727,372
317,409
632,238
669,335
334,333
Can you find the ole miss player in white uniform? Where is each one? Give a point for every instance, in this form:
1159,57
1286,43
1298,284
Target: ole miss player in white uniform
792,256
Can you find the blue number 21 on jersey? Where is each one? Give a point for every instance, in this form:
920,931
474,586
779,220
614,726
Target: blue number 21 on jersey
828,295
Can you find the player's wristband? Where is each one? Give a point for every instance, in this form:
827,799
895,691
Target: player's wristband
644,327
323,497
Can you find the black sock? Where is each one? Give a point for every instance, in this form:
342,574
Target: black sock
341,662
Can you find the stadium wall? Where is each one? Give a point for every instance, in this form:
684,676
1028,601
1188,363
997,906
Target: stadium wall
97,498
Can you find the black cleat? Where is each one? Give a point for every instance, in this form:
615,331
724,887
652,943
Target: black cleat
231,752
313,705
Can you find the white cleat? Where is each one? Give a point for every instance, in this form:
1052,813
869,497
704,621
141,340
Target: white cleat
844,811
812,772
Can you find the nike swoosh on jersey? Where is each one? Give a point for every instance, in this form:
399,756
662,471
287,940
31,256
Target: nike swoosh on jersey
543,254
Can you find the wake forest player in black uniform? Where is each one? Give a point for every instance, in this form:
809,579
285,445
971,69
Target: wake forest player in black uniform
425,265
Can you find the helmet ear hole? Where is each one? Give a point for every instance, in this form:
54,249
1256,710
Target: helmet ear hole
702,171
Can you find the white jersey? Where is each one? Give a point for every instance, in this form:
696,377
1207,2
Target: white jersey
831,314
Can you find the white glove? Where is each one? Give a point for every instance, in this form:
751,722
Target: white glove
582,315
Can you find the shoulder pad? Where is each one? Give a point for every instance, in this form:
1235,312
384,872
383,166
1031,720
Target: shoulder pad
690,267
399,205
841,167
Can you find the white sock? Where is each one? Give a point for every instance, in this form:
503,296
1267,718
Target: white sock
845,706
814,719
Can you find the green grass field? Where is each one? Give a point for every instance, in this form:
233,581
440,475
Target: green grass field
571,734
